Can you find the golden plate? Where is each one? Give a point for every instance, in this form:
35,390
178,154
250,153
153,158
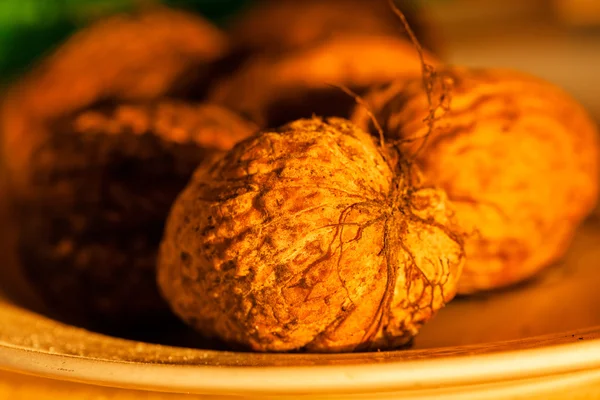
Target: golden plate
487,346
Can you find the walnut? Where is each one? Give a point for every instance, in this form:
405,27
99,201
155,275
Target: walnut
517,157
138,56
127,56
93,200
276,89
310,238
289,25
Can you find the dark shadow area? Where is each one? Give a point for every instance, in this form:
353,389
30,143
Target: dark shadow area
321,102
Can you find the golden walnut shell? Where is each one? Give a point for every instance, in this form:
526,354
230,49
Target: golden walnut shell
305,238
517,157
274,89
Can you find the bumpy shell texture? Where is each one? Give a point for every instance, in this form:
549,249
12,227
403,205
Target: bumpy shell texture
305,238
276,89
517,157
98,190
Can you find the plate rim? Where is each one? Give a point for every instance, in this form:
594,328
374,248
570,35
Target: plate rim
568,356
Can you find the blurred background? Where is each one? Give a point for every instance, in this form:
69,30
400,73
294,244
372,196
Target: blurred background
558,40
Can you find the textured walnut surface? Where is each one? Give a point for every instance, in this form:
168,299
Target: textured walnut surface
276,89
307,238
517,156
99,190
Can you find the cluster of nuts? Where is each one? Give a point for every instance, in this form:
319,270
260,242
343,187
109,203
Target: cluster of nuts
274,210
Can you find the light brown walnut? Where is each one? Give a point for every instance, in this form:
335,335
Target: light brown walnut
517,157
309,237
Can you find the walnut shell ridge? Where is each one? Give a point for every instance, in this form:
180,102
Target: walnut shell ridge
306,238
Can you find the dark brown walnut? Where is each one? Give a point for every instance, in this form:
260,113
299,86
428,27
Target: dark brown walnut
276,89
94,199
309,238
137,56
517,156
289,25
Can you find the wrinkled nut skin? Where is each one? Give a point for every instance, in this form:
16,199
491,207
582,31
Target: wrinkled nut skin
301,24
98,190
517,157
304,238
276,89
